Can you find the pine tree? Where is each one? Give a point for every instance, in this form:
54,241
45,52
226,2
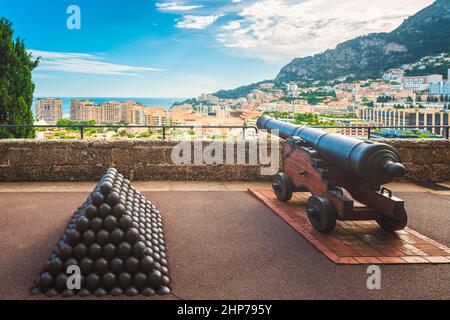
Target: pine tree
16,85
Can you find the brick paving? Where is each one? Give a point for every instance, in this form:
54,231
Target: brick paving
357,242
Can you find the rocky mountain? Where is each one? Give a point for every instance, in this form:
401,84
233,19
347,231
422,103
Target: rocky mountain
425,33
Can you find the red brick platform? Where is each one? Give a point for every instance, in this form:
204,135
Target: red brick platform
358,242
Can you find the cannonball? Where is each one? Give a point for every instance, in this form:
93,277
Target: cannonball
132,235
67,293
113,198
165,281
97,199
123,250
73,237
116,292
164,270
90,211
131,292
116,265
96,224
155,279
164,291
139,280
51,293
148,292
88,237
56,266
125,223
101,266
131,265
110,223
124,280
106,187
95,251
116,236
80,251
35,291
82,224
109,251
45,281
86,265
163,262
102,237
92,281
104,210
119,211
61,282
100,292
146,264
84,293
66,252
157,266
108,280
138,249
70,262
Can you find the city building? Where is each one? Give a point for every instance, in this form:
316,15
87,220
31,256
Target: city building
420,83
80,110
48,110
394,75
441,87
406,117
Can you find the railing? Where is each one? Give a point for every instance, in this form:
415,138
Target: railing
164,128
445,130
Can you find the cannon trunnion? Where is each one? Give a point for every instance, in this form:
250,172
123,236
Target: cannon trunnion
337,193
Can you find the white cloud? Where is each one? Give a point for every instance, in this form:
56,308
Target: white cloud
196,22
283,29
233,25
176,6
84,63
236,1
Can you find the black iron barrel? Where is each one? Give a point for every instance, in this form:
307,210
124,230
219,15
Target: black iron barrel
377,163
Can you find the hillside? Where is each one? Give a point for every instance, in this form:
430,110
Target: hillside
425,33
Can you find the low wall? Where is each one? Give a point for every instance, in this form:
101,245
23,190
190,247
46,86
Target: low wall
72,160
426,160
76,160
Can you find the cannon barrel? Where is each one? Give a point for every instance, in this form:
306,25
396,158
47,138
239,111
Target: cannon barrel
377,163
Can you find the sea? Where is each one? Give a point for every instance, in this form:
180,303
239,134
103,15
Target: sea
149,102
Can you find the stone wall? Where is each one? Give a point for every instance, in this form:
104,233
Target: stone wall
426,160
76,160
72,160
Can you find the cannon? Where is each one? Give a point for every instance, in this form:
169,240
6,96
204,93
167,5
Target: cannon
344,175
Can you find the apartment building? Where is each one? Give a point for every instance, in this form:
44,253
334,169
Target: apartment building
420,83
80,110
48,110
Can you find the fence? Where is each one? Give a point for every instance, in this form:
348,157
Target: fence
368,131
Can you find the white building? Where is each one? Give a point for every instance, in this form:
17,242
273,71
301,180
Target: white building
420,83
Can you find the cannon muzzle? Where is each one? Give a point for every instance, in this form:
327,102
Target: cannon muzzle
376,163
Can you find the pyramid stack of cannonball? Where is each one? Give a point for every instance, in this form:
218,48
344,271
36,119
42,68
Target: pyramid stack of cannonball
116,239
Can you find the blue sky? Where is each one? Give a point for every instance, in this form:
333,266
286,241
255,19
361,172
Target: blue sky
183,48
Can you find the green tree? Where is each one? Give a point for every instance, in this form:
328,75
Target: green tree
16,85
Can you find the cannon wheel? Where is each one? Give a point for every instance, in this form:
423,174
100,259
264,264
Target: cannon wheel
392,225
283,187
321,214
